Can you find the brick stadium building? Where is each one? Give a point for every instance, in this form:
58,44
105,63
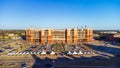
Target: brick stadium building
51,36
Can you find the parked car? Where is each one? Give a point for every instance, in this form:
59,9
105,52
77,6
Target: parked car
24,65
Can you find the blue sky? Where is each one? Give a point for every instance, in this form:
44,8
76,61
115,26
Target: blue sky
59,14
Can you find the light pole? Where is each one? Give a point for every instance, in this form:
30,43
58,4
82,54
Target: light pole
53,63
2,35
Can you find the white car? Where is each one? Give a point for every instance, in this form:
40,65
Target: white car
38,53
52,53
13,53
43,52
17,53
20,53
23,53
92,52
25,65
31,52
69,53
75,53
27,53
85,52
34,52
80,52
9,54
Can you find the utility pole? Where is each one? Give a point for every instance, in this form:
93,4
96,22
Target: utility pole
2,35
53,64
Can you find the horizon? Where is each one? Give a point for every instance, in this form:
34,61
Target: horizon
63,29
57,14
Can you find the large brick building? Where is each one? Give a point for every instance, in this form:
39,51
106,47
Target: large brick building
51,36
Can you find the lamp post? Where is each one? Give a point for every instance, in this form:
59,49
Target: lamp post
53,63
2,35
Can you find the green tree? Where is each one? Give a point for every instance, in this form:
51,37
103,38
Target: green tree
21,46
8,45
26,45
63,47
56,47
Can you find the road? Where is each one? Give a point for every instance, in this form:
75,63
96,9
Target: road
6,42
36,62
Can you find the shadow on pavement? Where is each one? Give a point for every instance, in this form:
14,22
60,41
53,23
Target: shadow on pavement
41,63
76,62
81,62
106,49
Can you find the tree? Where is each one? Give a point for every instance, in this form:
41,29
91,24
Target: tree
25,45
21,46
9,46
56,47
63,47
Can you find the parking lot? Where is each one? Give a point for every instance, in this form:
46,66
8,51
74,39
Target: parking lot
51,50
79,52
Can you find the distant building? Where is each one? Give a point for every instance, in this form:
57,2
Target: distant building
112,32
13,36
51,36
106,31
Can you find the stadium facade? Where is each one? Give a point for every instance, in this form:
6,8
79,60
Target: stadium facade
52,36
